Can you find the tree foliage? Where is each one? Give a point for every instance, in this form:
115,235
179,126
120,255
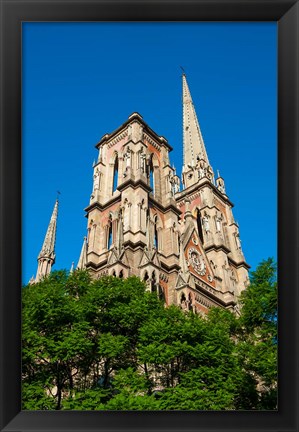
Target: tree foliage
109,344
258,335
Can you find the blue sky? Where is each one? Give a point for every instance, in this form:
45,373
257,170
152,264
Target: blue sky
82,80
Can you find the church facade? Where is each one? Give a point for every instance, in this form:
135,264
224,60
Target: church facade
177,235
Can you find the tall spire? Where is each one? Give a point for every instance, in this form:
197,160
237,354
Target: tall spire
83,255
194,147
46,257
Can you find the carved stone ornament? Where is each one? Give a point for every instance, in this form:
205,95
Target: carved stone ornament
194,240
197,261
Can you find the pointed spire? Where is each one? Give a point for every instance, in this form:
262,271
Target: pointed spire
47,250
72,268
46,257
193,141
83,255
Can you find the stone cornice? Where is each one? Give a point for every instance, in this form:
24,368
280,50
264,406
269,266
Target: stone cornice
170,268
214,295
192,190
134,184
117,139
122,132
164,208
215,247
99,206
238,264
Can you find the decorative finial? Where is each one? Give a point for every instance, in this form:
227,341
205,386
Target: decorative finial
183,70
218,173
57,196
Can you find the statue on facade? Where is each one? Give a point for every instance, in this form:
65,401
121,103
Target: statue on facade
96,180
209,173
143,161
127,157
206,223
173,185
218,224
238,241
201,168
220,185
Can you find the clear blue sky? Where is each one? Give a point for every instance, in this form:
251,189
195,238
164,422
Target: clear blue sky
82,80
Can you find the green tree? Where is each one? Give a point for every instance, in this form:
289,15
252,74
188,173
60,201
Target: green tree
191,359
258,336
77,332
109,344
56,336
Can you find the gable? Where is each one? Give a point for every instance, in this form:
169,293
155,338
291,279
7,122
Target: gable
180,282
147,259
113,258
198,262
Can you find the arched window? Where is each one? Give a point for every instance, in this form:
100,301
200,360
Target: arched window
151,174
199,226
114,273
183,302
121,274
145,278
161,293
153,283
115,175
109,239
190,305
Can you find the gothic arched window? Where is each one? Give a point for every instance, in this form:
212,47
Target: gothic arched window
109,239
153,283
183,302
199,226
146,278
151,174
121,274
115,175
161,293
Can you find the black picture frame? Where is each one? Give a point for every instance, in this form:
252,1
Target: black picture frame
13,13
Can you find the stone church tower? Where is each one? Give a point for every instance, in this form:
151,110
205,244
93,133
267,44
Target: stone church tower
182,240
